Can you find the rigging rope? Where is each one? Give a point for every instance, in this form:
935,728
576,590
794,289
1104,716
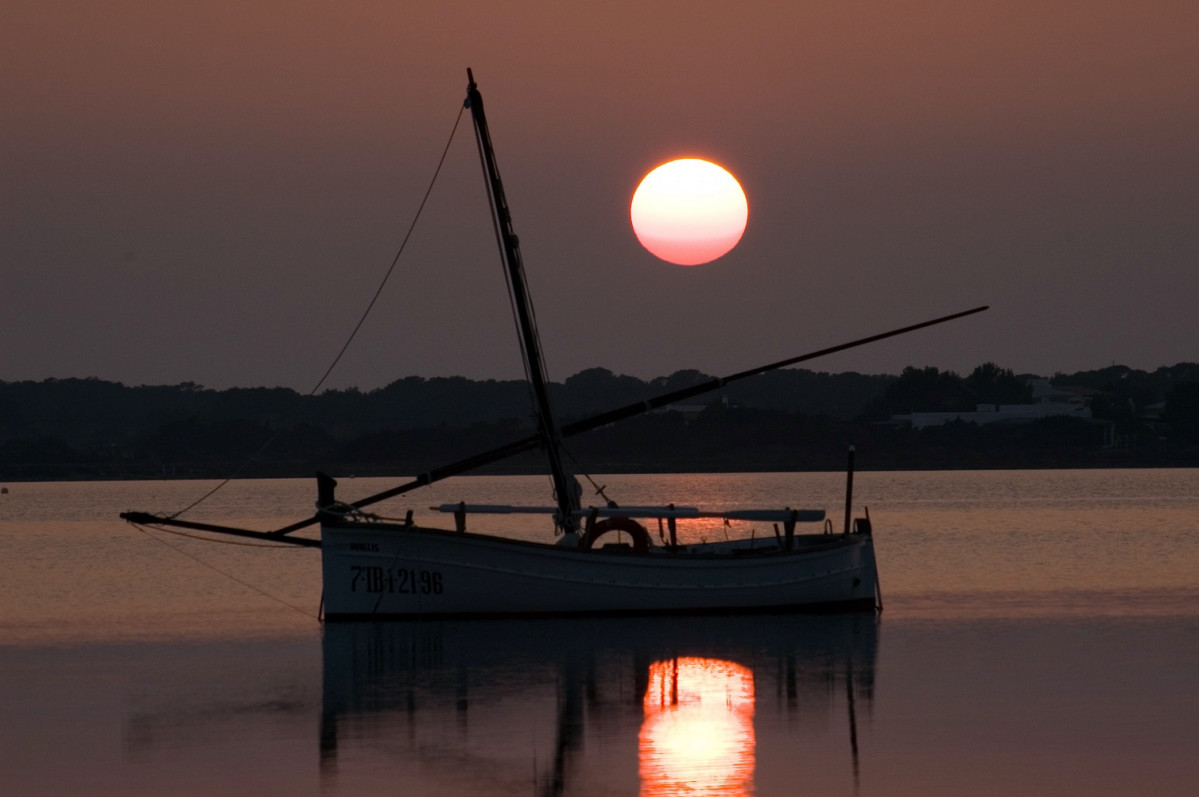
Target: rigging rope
599,488
361,320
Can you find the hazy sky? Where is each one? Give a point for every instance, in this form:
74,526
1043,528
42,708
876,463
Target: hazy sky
211,191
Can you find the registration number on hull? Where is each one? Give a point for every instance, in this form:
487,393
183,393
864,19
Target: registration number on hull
399,580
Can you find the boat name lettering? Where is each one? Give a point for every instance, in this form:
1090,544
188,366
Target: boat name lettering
370,578
373,547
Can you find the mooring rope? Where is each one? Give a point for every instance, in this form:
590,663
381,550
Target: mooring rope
354,333
215,569
219,541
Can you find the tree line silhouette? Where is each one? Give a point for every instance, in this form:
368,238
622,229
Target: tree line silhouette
790,419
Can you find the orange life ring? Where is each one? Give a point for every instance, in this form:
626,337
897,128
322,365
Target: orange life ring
629,526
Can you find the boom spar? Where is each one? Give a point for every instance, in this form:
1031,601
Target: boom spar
531,442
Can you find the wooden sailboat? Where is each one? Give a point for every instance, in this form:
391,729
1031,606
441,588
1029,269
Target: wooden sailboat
374,568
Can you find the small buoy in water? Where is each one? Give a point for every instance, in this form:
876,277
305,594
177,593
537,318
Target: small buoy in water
3,491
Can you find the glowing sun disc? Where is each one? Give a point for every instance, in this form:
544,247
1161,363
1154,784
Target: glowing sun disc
689,211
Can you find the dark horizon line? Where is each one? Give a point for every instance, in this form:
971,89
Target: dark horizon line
1019,375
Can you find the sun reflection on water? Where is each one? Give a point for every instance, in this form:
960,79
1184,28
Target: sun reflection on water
698,733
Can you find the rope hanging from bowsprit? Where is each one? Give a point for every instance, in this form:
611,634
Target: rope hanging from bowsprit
353,333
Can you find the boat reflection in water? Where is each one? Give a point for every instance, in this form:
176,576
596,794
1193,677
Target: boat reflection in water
638,705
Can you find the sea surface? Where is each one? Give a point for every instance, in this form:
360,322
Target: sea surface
1040,636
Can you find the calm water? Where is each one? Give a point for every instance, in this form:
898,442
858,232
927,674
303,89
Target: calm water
1040,636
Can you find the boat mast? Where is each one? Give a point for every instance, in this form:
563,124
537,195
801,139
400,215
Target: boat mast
565,489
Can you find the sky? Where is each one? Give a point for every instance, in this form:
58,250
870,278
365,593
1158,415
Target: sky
211,192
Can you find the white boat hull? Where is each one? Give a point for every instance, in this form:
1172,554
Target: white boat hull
383,570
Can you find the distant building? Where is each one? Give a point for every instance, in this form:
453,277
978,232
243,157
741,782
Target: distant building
690,412
1047,402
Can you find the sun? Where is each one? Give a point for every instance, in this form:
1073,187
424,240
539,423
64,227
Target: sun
689,211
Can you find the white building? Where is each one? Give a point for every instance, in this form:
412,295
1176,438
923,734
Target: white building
1046,403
